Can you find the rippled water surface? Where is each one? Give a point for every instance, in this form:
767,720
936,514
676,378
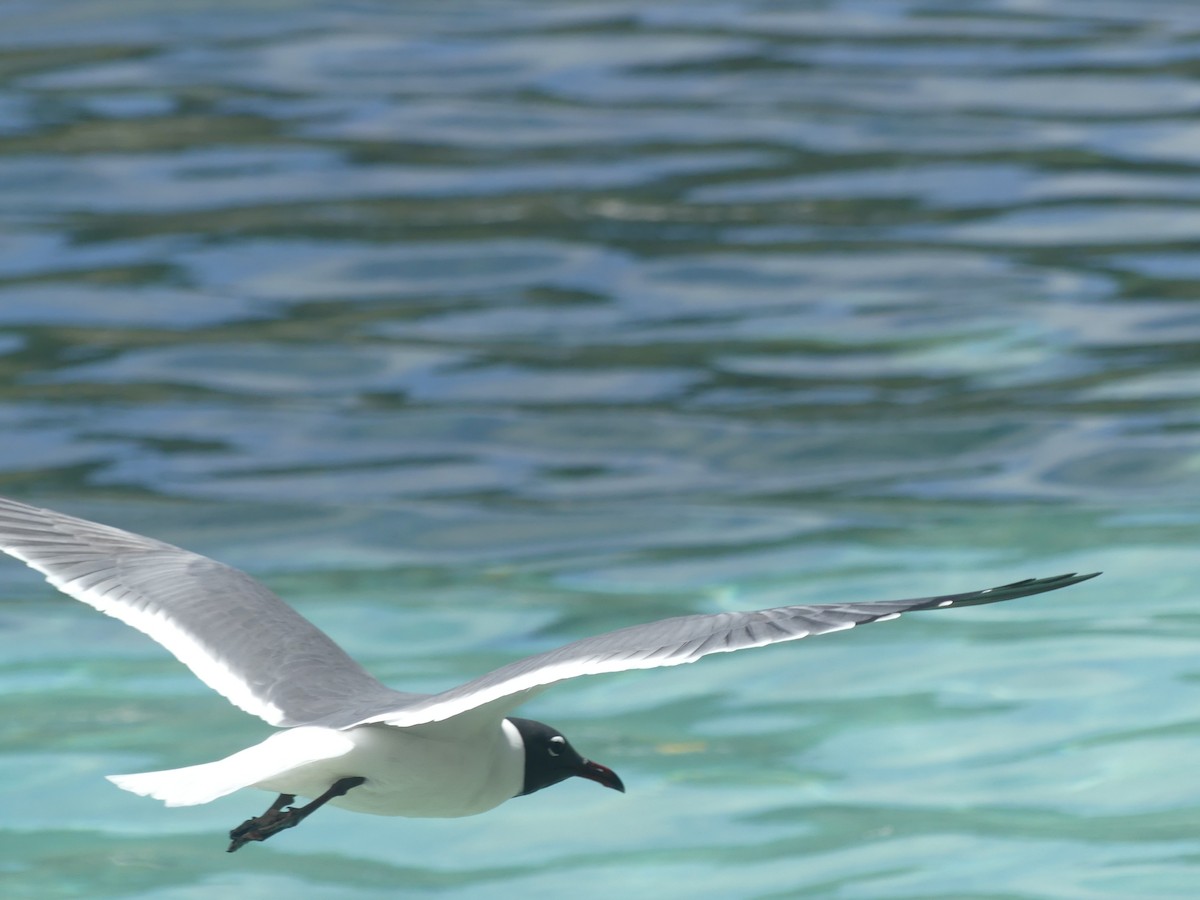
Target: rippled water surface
473,328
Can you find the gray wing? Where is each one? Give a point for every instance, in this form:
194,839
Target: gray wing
672,642
230,630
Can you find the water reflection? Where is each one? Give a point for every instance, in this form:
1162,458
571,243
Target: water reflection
477,329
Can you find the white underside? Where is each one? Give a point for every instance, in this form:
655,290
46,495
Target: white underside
426,772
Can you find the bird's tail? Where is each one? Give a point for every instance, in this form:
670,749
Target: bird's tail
182,787
275,756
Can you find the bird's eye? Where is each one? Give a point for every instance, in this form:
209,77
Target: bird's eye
555,745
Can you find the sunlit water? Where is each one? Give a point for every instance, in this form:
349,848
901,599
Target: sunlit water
476,328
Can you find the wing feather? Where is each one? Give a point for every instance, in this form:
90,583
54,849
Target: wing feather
673,642
229,629
248,645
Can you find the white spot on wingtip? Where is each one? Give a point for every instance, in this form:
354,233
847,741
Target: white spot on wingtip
888,617
945,603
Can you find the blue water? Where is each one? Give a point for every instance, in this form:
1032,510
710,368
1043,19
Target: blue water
474,328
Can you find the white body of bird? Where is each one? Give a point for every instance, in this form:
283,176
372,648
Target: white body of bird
427,771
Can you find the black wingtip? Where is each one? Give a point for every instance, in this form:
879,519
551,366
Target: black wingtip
1025,588
1038,585
1050,583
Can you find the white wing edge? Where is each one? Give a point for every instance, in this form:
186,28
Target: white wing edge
209,669
521,688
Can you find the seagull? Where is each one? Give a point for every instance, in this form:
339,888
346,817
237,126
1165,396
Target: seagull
346,739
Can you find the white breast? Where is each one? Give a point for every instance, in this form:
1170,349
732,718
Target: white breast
433,770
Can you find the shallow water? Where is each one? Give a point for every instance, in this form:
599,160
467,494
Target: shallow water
475,328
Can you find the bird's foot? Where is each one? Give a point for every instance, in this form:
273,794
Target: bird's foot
259,828
276,819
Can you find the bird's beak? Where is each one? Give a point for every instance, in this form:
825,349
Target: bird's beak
593,771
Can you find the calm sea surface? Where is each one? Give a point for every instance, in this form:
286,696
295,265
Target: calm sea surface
474,328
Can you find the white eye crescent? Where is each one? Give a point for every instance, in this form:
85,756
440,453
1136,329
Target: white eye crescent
555,745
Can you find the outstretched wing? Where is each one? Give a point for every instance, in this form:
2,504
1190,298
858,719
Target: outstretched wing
230,630
672,642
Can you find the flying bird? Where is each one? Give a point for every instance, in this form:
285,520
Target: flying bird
345,738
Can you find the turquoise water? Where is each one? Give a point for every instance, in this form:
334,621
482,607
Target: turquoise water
476,328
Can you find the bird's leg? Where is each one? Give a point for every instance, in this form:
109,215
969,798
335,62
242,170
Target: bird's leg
276,818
